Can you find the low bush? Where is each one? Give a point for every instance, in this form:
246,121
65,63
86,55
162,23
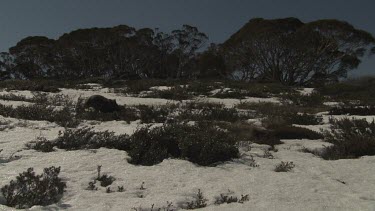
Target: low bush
353,110
199,202
64,117
201,144
175,93
351,138
291,132
34,85
30,189
13,97
228,199
304,119
86,138
284,166
154,114
210,112
312,100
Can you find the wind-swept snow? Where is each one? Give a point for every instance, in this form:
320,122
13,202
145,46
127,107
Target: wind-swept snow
314,184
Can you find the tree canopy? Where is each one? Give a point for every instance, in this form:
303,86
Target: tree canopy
279,50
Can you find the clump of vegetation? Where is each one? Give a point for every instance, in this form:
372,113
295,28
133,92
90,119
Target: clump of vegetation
312,100
64,117
175,93
86,138
353,110
284,166
30,189
351,138
41,144
104,179
13,97
291,132
34,85
82,138
154,114
228,199
361,89
210,112
199,202
304,119
202,144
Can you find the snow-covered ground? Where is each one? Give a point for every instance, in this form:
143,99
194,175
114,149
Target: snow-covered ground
314,183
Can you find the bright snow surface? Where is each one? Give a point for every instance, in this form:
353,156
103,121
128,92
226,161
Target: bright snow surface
314,183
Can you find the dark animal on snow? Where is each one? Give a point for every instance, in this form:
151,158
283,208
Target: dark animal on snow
102,104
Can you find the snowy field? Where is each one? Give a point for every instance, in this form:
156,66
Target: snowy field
314,183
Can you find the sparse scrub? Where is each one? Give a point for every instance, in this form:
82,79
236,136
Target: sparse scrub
351,138
353,110
210,112
34,85
30,189
175,93
199,202
291,132
228,199
304,119
284,166
201,144
63,117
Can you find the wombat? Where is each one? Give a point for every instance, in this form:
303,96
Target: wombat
102,104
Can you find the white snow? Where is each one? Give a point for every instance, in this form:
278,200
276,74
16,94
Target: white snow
314,184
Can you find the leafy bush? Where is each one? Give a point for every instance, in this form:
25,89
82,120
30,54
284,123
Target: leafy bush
63,117
199,202
210,112
291,132
201,144
351,138
284,166
314,99
13,97
175,93
353,110
41,144
86,138
34,85
362,89
152,114
228,199
30,189
304,119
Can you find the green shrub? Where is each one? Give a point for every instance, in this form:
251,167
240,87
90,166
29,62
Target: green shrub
34,85
353,110
152,114
86,138
210,112
175,93
64,117
201,144
30,189
304,119
351,138
284,166
290,132
314,99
